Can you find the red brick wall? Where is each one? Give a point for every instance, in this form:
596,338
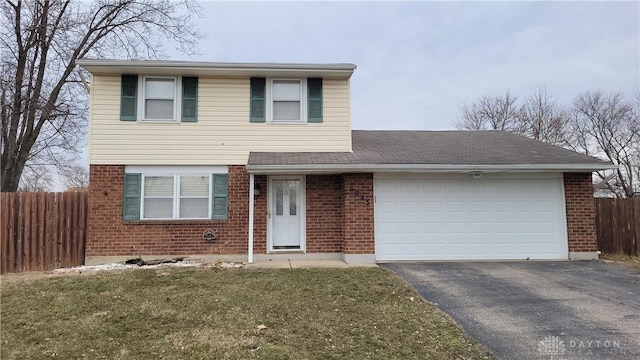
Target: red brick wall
108,234
358,228
580,208
324,213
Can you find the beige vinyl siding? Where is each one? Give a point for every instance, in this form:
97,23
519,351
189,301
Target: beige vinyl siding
223,133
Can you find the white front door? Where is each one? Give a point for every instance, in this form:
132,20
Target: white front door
286,212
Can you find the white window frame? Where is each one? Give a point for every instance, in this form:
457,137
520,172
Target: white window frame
143,196
176,195
303,101
177,96
179,196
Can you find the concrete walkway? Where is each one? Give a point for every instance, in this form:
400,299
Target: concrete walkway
303,264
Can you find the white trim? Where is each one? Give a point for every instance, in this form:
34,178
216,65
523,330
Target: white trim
116,67
212,65
176,169
251,204
563,221
337,168
177,98
303,213
303,101
173,196
466,175
176,197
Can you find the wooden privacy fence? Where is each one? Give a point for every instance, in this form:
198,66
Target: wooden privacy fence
618,225
42,231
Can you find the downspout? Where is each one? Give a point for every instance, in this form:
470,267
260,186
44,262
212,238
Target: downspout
251,201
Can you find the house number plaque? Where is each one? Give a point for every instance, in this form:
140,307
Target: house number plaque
357,194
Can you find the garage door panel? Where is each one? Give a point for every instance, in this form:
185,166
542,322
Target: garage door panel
428,219
454,228
479,227
433,228
411,206
432,207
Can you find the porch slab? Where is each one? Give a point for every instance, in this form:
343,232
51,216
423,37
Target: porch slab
302,264
307,264
266,264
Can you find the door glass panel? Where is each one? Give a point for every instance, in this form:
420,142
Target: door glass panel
293,205
279,197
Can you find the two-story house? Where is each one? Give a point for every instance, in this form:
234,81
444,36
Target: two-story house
255,161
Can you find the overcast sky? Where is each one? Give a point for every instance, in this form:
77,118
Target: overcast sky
419,61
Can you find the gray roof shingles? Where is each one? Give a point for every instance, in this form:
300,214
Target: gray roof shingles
489,147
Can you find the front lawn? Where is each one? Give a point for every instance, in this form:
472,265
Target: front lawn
207,313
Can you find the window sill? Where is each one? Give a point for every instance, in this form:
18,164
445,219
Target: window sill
173,121
282,122
174,222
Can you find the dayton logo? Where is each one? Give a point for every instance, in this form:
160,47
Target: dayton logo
551,345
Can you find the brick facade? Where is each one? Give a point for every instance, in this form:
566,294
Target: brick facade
324,213
580,212
339,218
109,235
359,227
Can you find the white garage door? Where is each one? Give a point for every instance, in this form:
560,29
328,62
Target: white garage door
457,217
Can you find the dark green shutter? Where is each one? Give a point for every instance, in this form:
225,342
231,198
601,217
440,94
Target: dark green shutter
131,201
258,100
189,99
129,98
219,191
314,102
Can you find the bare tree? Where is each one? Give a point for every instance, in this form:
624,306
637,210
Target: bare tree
35,178
597,124
75,176
607,125
490,113
541,117
43,108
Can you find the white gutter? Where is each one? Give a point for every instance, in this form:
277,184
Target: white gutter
99,66
251,202
319,168
215,65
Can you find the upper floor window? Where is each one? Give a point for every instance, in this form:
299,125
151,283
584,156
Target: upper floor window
286,104
159,98
286,100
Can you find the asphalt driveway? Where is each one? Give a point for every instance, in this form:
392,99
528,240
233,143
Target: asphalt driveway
537,310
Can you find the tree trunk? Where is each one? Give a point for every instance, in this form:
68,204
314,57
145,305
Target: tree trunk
11,173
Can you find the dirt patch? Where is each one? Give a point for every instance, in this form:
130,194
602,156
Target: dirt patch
630,261
112,267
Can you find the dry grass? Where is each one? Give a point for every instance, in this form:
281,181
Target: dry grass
630,261
206,313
